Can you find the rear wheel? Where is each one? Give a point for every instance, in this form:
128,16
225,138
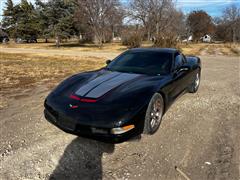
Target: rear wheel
195,84
154,114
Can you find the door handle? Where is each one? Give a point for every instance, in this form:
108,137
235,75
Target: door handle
183,69
177,72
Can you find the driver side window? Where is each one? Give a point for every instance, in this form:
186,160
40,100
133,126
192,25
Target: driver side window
179,61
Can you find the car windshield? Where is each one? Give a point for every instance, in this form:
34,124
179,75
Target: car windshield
151,63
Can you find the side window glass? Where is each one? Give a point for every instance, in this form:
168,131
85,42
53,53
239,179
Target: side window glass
184,58
178,61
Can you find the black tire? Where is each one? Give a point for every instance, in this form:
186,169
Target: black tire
196,83
154,114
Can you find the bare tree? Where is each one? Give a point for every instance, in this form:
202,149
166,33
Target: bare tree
115,22
155,15
100,16
231,17
140,11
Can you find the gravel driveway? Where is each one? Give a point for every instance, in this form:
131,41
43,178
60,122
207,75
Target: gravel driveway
199,134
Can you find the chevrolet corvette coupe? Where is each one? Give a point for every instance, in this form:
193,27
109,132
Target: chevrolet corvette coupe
126,98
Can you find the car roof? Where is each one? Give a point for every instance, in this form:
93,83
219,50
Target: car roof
162,50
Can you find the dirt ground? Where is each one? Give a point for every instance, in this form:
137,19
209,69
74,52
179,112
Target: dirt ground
199,134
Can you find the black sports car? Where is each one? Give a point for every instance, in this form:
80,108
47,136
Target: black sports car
126,98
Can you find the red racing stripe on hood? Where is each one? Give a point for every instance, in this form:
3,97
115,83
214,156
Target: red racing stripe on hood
83,99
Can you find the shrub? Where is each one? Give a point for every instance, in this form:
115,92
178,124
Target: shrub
167,41
133,40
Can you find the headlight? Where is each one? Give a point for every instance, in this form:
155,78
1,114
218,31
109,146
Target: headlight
121,130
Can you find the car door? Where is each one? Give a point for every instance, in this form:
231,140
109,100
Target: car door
189,73
179,75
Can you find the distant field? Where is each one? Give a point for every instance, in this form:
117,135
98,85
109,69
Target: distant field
191,48
211,49
20,72
68,46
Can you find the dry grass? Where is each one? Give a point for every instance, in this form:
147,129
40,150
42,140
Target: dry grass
73,46
113,47
234,48
20,72
223,49
210,49
192,49
188,49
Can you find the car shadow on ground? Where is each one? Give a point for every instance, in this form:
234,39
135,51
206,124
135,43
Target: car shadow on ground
82,159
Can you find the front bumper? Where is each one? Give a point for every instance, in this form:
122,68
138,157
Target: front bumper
71,126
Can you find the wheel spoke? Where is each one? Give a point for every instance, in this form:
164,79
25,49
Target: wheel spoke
197,80
153,121
156,114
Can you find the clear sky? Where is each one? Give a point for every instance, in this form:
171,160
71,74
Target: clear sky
212,7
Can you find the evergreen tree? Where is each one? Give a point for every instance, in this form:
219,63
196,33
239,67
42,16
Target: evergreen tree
59,15
27,27
42,19
9,18
20,21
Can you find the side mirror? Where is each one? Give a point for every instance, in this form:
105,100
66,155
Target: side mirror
108,62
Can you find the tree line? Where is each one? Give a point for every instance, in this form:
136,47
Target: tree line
101,20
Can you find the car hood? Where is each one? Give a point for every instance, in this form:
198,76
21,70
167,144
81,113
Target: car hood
104,83
109,86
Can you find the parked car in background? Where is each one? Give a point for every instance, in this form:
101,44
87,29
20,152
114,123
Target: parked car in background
3,36
4,39
32,39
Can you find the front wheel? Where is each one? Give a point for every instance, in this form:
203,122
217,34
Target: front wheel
196,82
154,114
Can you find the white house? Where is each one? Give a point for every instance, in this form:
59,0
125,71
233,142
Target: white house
206,38
189,39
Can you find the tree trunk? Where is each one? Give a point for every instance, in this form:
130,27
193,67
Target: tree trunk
113,33
234,35
57,41
157,28
79,38
113,36
104,39
149,35
46,40
100,42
